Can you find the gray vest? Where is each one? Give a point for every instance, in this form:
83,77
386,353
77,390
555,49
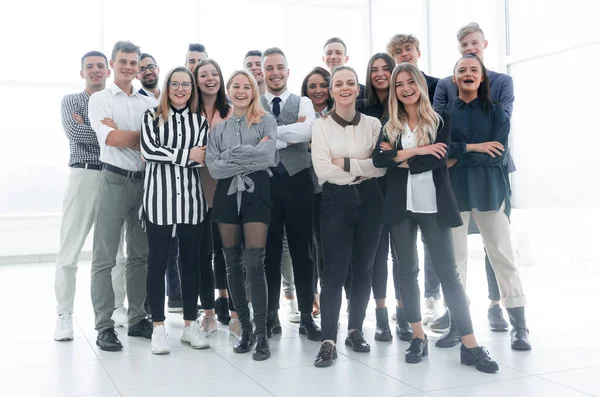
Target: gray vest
294,158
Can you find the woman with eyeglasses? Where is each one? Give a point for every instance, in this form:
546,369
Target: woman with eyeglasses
172,143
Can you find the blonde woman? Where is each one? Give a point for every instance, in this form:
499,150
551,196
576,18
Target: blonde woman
240,152
413,147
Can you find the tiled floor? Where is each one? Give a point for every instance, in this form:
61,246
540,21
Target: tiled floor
565,360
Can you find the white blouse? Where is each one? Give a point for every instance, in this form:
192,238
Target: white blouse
420,189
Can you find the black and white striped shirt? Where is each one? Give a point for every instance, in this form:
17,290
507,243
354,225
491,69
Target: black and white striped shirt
173,193
83,142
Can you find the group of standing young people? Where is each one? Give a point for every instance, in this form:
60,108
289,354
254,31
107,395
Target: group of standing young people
265,148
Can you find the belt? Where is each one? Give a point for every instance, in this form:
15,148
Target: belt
129,174
87,166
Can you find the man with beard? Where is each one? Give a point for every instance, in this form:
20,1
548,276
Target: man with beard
148,76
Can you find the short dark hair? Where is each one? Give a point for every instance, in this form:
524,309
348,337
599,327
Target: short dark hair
146,55
336,40
272,51
93,54
127,47
197,47
253,53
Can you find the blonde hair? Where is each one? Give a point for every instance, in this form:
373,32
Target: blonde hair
165,102
469,28
399,41
428,119
255,111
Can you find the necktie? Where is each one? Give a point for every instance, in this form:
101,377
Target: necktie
276,108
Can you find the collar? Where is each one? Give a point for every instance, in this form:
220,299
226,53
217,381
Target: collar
86,94
148,93
269,97
345,123
114,90
182,112
474,104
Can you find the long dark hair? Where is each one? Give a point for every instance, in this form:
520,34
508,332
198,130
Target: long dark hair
483,92
221,102
326,75
372,97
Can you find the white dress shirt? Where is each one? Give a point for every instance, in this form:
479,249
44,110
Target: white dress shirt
420,189
297,132
127,112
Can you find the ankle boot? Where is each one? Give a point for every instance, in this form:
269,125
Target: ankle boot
273,324
451,338
403,328
382,330
244,344
309,328
222,310
262,351
519,336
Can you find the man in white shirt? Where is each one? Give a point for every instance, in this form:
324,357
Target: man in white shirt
115,115
291,194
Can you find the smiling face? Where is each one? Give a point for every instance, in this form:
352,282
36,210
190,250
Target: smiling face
240,92
126,66
334,55
407,53
407,90
95,71
253,64
473,43
148,73
276,73
179,96
345,88
468,75
208,79
380,75
317,90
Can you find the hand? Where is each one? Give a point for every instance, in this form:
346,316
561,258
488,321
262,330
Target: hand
452,162
403,164
301,119
385,146
264,139
492,148
109,123
437,149
338,161
198,154
78,119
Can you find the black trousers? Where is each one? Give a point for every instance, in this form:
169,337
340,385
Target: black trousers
174,271
351,223
439,240
207,276
317,245
380,267
159,243
292,201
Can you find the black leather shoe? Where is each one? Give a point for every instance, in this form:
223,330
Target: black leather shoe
441,324
418,349
245,342
327,353
222,310
403,328
382,328
496,319
273,324
309,328
142,328
358,342
107,340
479,357
262,351
451,338
519,339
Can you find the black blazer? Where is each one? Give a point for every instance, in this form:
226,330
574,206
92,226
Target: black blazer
431,86
395,198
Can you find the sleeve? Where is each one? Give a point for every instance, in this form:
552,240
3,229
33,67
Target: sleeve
383,158
507,95
218,166
152,150
440,98
365,167
202,137
321,158
501,129
299,132
261,156
76,132
98,110
420,164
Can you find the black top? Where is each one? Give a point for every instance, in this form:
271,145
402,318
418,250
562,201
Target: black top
432,83
375,110
395,199
362,94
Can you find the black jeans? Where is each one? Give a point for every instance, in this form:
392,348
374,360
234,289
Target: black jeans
351,223
439,240
380,267
159,243
318,246
207,276
174,271
292,200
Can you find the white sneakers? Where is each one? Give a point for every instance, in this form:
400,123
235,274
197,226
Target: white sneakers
64,328
432,310
293,315
208,325
235,328
160,340
195,336
120,318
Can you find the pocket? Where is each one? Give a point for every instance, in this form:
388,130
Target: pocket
114,179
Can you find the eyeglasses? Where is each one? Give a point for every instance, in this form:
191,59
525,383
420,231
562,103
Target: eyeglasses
150,67
174,85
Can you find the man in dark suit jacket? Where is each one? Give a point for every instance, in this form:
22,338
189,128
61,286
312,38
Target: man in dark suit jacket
405,48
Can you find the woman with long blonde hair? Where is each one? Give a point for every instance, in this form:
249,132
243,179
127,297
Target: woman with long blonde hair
239,155
413,147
